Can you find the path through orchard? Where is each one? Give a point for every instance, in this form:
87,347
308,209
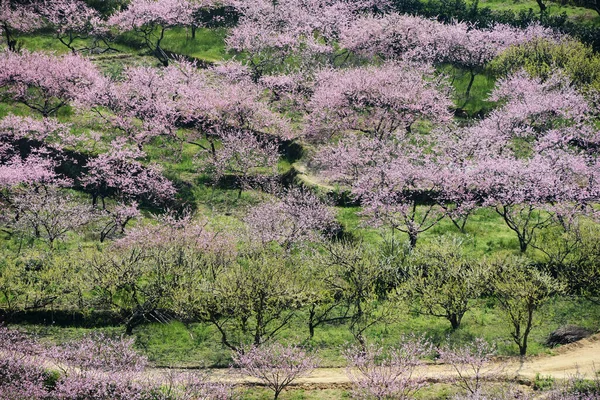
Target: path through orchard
581,358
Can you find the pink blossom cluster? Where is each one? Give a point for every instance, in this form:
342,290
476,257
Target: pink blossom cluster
377,100
295,217
532,154
140,13
275,365
287,26
173,231
31,149
49,213
251,159
72,16
17,18
470,362
387,374
32,170
120,173
45,82
399,36
21,377
73,20
96,367
182,95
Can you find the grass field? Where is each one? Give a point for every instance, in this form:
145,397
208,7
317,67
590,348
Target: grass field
576,14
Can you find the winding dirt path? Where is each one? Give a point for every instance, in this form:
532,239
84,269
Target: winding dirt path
581,358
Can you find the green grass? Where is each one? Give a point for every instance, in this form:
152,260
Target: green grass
577,14
209,44
475,103
257,393
430,392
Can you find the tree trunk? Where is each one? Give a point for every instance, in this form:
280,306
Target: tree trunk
412,237
311,325
470,86
522,244
454,321
10,42
523,345
523,348
541,5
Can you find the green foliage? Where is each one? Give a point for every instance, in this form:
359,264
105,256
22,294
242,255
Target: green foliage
28,281
208,45
521,290
542,57
543,382
442,280
247,301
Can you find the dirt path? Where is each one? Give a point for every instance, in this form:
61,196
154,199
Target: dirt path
581,358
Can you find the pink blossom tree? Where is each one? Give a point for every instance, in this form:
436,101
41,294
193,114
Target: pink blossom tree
21,377
251,160
145,94
471,49
45,83
392,36
397,182
298,216
403,36
270,33
49,214
31,155
399,195
149,19
192,386
119,173
77,26
397,36
518,192
115,220
470,364
379,373
21,137
100,352
530,156
178,231
94,367
17,18
32,170
98,367
457,195
275,365
203,101
377,100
